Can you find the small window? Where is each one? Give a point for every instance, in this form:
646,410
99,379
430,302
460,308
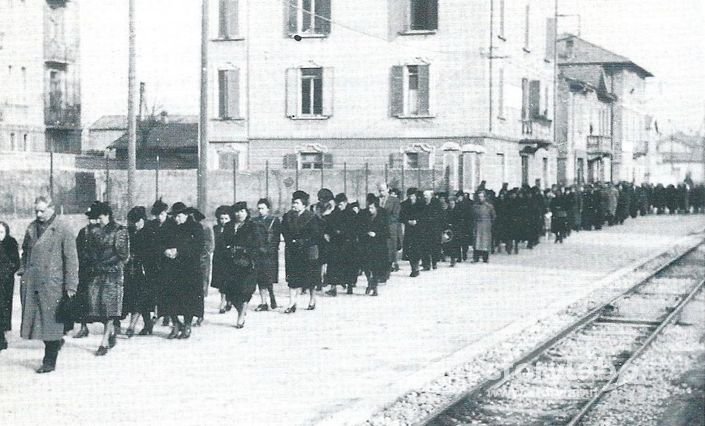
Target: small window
502,166
228,19
25,142
412,160
311,160
311,91
423,15
417,160
410,91
545,171
309,17
228,94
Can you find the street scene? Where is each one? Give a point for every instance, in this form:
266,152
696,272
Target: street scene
300,212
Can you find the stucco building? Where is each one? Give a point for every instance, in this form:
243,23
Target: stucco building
40,100
464,86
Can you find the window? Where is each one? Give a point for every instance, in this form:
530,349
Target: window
55,92
25,142
13,143
527,27
417,160
423,15
500,95
534,99
410,91
580,171
228,19
309,93
309,18
228,94
524,170
524,99
316,160
412,160
545,171
502,166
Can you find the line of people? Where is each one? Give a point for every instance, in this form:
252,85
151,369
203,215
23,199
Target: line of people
163,267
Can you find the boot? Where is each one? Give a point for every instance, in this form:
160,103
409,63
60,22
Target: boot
350,289
272,299
333,291
148,326
51,352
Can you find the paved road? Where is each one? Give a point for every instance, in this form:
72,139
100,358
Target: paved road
301,368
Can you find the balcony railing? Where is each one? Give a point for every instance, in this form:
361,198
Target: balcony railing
59,51
599,145
68,117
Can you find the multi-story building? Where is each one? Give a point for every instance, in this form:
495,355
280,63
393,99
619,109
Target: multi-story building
40,106
605,122
466,85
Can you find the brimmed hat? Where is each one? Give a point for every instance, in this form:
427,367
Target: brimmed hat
158,207
137,213
371,199
99,208
411,190
300,195
195,213
240,205
221,210
340,198
91,212
178,207
324,195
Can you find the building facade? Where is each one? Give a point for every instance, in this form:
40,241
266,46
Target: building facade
605,96
40,100
465,86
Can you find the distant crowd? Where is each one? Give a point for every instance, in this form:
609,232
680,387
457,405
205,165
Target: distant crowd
161,265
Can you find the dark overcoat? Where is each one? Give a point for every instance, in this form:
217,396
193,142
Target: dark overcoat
374,249
139,296
341,229
9,264
244,242
159,236
413,234
302,234
393,207
50,267
219,272
107,251
268,262
182,291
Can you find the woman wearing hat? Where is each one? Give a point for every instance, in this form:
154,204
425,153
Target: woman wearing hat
410,217
159,232
341,231
9,264
245,242
324,209
223,215
181,268
374,231
139,298
81,242
302,234
107,250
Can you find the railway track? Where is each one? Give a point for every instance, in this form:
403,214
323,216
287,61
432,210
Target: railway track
563,378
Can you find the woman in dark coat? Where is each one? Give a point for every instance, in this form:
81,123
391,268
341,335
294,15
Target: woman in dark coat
302,234
244,240
107,250
223,214
559,220
340,233
139,298
374,231
268,265
182,271
81,243
410,217
159,232
9,264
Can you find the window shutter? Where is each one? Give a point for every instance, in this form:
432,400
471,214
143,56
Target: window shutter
223,19
534,98
398,17
291,16
233,87
328,91
432,14
527,23
222,94
323,14
550,38
327,161
500,101
424,160
292,92
424,90
524,99
397,91
395,160
290,161
232,18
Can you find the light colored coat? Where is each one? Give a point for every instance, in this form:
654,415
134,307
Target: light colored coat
484,216
50,266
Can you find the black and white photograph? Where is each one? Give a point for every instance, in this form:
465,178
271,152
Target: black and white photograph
352,212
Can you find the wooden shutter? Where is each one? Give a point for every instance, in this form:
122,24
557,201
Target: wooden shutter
232,17
327,161
524,99
293,81
291,16
398,18
527,23
233,86
424,160
432,17
223,19
424,100
550,38
222,94
500,101
395,160
323,15
328,91
290,161
397,91
534,98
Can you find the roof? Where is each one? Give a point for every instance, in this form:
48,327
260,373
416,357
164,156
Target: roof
591,75
169,135
586,53
119,122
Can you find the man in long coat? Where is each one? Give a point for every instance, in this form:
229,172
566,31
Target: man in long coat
484,215
410,217
49,270
392,206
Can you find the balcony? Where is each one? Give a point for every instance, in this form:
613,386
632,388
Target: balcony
68,117
59,52
599,146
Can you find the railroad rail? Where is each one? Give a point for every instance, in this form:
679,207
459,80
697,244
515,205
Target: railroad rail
629,323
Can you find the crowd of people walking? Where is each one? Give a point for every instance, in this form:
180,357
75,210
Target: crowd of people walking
163,267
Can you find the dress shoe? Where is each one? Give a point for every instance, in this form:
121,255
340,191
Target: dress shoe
332,292
174,332
414,274
186,333
147,330
45,368
130,332
374,292
274,304
83,332
290,310
102,350
240,325
311,307
262,307
221,311
198,322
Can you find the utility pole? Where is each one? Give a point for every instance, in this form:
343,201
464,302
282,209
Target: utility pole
131,116
202,183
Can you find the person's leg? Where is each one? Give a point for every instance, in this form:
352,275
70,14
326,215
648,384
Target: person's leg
241,313
108,340
83,332
293,298
485,256
134,317
272,298
176,326
3,341
148,324
475,256
186,333
51,353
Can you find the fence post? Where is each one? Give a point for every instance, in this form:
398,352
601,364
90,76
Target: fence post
433,179
367,178
418,178
386,173
234,180
345,177
322,185
266,179
156,177
296,175
107,180
402,180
